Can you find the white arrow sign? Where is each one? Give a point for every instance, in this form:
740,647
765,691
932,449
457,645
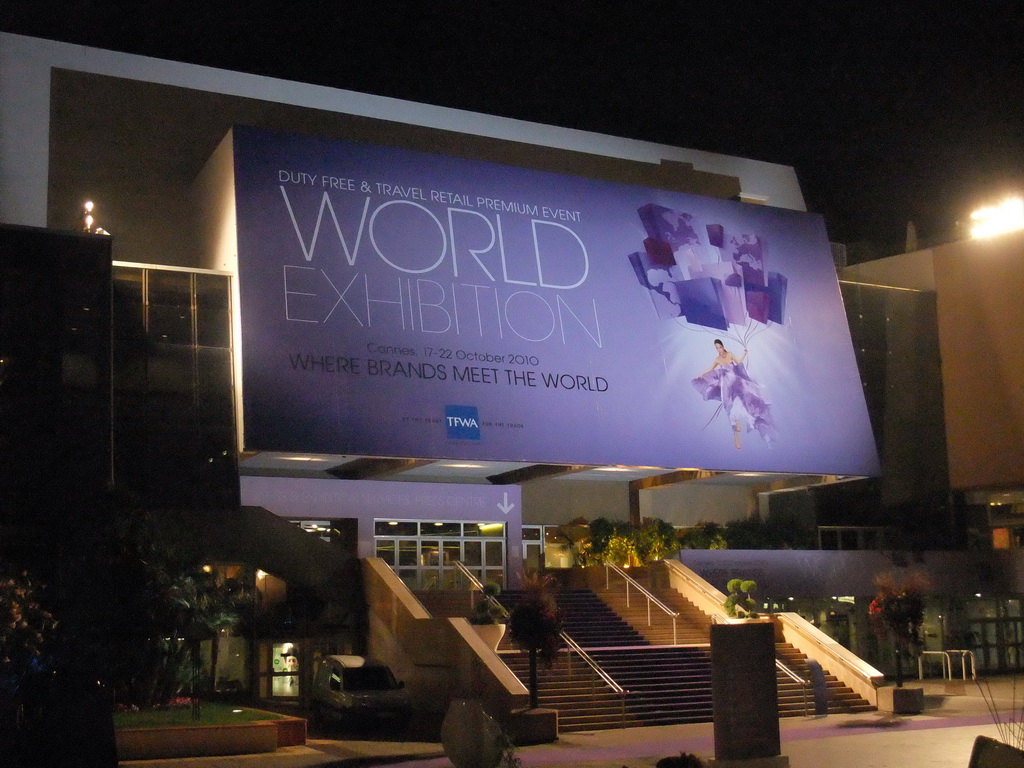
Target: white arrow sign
505,506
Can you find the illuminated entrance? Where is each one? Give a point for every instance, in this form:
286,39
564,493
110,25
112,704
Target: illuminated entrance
423,552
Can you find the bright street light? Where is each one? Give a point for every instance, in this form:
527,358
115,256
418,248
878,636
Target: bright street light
996,219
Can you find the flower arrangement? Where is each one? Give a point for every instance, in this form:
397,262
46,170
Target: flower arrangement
898,611
24,625
535,625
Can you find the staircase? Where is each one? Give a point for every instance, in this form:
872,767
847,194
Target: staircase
667,683
791,695
693,626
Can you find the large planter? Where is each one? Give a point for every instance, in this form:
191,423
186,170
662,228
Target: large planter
901,701
209,740
490,634
989,753
470,737
167,743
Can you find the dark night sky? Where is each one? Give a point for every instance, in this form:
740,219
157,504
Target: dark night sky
888,111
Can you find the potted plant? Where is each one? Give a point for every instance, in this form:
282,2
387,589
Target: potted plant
740,603
897,612
487,615
685,760
535,625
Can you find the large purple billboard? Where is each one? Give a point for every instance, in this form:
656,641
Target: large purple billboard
397,303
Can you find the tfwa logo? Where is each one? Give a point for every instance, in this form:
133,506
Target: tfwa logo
462,422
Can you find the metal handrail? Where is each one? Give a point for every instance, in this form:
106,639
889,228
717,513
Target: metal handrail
699,585
964,656
805,684
571,645
944,662
646,593
476,585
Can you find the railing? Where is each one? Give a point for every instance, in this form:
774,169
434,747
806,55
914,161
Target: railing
651,599
946,659
571,645
852,671
804,684
476,585
708,599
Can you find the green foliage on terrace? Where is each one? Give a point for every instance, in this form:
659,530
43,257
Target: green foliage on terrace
625,544
210,713
749,533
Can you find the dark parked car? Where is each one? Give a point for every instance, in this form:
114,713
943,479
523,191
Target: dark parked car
352,687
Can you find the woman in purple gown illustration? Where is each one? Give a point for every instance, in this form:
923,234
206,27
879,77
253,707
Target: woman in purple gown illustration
744,404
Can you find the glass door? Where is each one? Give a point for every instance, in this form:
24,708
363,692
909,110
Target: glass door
424,553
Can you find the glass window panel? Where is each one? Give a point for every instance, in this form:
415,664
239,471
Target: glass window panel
452,551
989,633
170,325
130,373
386,551
78,371
451,578
848,539
286,686
169,295
495,575
394,528
170,370
213,317
492,529
169,287
430,553
410,577
494,554
128,316
1011,630
441,529
407,552
214,391
472,553
429,578
531,533
532,557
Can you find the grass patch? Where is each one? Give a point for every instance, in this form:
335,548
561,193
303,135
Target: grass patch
211,713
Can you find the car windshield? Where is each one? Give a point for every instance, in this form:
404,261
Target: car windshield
369,679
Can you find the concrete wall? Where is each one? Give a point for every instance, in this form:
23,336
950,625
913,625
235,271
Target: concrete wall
551,502
192,107
981,313
979,310
815,573
686,504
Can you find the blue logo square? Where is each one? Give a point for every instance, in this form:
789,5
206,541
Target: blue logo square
462,422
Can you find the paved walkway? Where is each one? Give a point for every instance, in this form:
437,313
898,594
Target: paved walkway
941,737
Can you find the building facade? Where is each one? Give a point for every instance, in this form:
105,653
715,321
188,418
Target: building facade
145,141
